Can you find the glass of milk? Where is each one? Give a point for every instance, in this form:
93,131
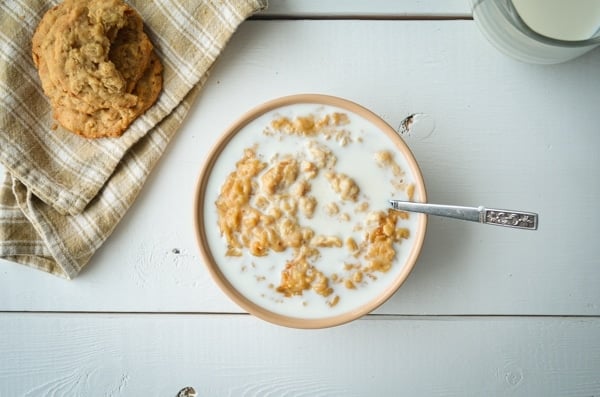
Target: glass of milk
540,31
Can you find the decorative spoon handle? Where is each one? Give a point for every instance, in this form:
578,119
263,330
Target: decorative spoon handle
508,218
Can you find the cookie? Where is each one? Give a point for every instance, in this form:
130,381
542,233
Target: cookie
111,121
96,65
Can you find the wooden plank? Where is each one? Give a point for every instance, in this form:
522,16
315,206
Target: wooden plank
506,134
367,9
235,355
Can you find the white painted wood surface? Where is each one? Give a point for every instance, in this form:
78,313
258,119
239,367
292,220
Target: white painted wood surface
368,9
506,134
237,355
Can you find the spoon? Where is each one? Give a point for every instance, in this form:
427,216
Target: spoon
508,218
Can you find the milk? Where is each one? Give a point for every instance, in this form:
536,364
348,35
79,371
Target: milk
255,277
509,26
569,20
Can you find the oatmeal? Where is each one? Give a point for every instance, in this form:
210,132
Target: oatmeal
264,207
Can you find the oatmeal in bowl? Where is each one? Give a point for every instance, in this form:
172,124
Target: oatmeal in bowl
292,214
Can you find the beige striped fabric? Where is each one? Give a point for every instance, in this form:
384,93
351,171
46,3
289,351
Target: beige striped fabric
63,194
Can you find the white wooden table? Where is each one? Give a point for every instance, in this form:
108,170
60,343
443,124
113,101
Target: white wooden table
487,311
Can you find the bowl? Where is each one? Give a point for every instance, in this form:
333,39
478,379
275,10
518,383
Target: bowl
292,215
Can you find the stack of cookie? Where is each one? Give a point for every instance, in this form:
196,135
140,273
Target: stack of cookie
96,65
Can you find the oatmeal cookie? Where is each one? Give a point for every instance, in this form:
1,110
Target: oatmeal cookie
112,121
96,65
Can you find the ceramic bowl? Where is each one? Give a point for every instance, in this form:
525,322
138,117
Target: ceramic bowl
311,174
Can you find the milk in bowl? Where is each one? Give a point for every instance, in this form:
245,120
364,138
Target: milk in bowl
293,211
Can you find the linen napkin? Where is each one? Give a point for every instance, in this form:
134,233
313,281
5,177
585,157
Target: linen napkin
63,194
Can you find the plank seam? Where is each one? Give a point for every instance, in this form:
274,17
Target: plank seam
359,17
373,316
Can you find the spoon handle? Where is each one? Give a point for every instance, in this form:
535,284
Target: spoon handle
507,218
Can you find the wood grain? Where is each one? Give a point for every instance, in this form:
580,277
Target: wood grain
238,355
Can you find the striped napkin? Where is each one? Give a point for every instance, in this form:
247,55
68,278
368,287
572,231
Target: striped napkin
63,195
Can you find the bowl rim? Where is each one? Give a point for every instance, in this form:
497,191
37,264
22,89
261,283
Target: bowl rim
199,199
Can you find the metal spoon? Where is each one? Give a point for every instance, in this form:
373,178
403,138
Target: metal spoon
508,218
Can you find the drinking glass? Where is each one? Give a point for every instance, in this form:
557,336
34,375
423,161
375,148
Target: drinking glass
539,31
